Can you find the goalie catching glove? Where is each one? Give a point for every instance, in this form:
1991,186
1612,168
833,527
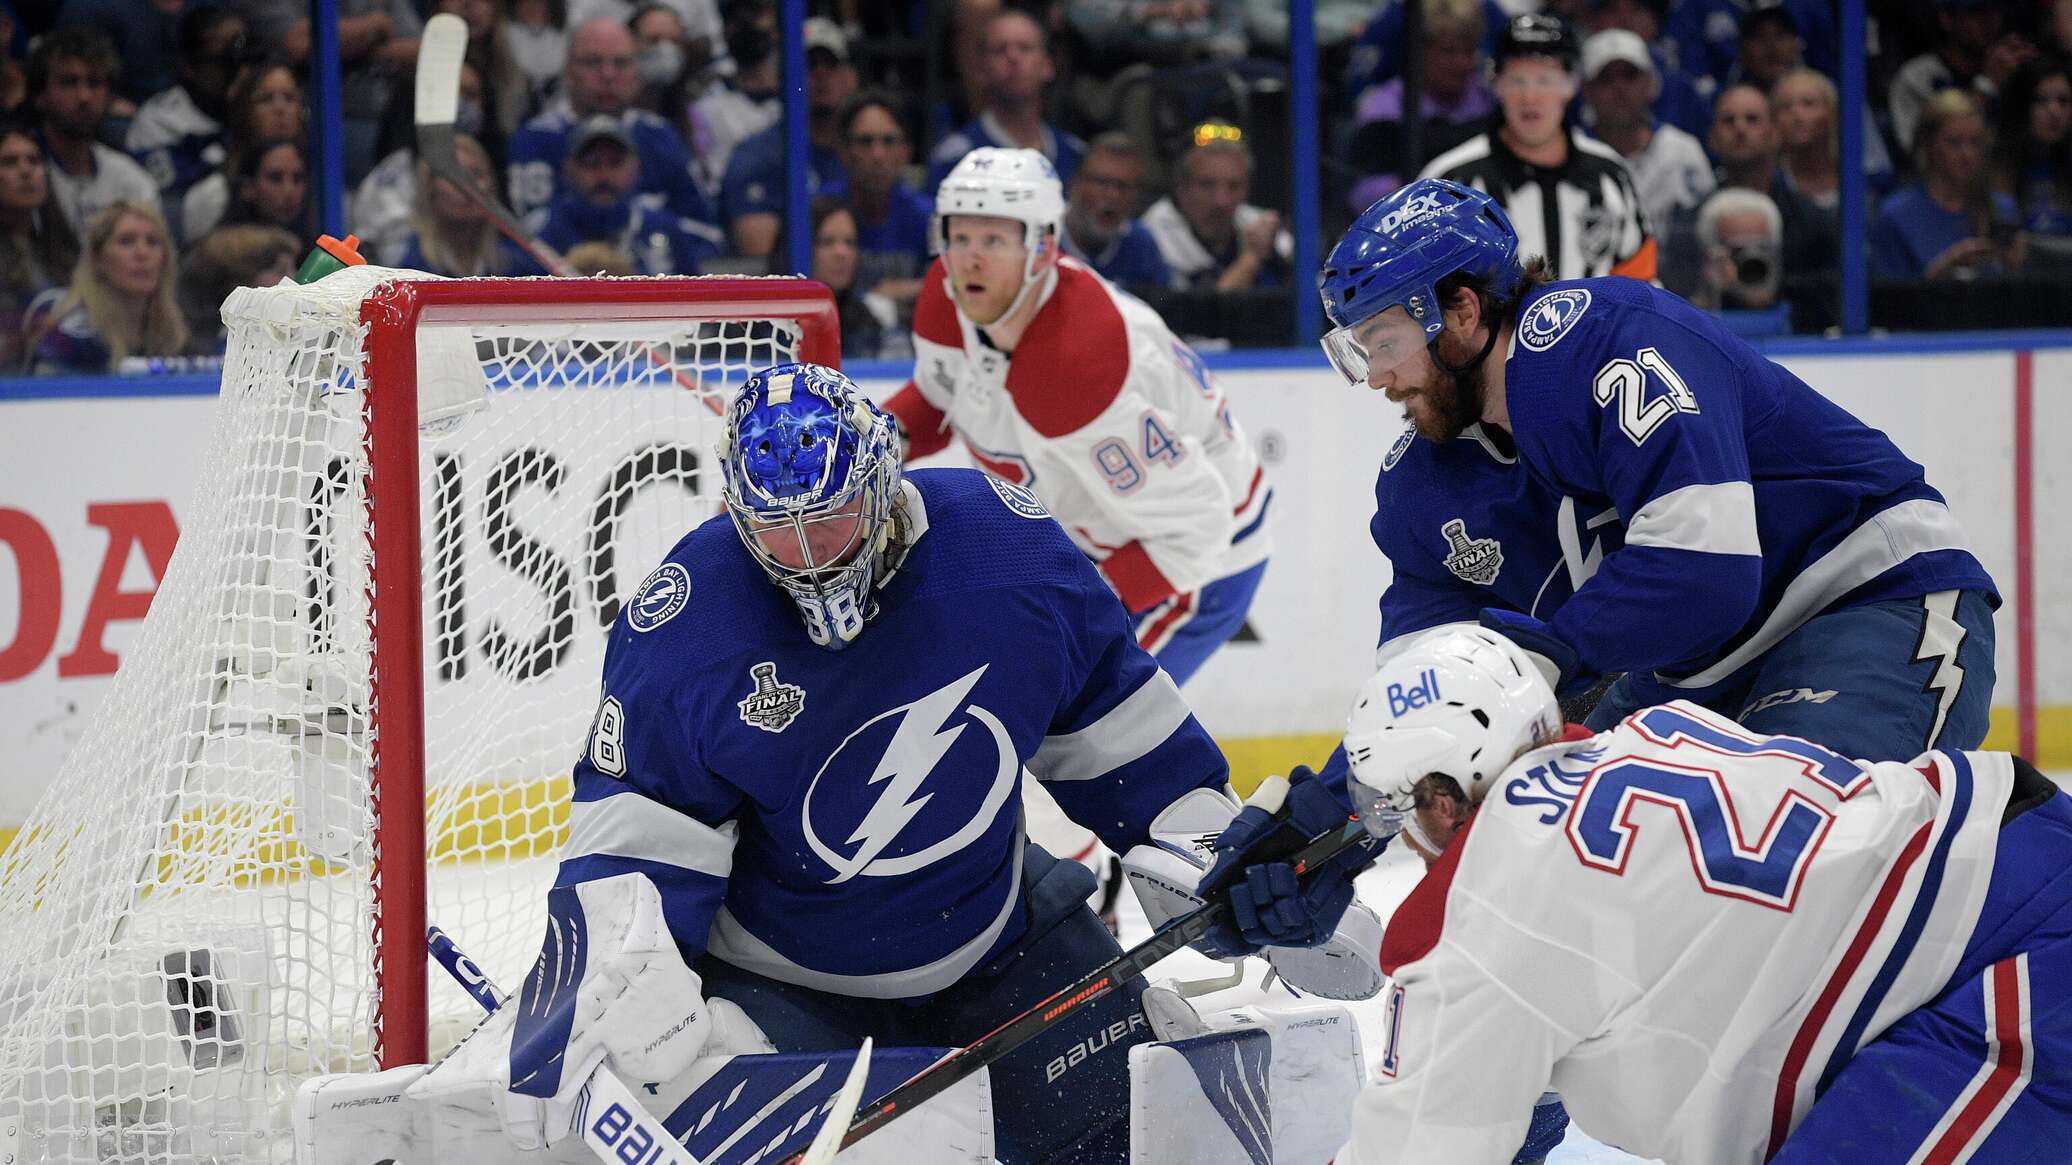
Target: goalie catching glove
1342,959
610,984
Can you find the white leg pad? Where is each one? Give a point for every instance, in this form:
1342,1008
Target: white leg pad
1263,1085
756,1107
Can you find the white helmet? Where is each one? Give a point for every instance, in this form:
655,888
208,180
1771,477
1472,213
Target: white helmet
996,182
1461,700
1002,183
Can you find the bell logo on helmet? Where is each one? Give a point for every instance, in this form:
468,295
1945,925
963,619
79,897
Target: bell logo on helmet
1424,691
1550,319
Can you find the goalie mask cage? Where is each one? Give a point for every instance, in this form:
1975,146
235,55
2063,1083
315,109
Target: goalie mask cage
355,701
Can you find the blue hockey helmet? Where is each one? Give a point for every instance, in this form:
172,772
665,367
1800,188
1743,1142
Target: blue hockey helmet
1399,249
812,472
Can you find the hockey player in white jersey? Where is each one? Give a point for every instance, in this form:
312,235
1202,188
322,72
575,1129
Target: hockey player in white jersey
1719,946
1065,385
1061,383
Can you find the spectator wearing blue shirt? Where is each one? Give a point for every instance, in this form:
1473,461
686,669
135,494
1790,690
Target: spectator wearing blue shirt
871,328
1101,229
599,181
1378,55
892,218
602,80
1947,225
751,199
1015,67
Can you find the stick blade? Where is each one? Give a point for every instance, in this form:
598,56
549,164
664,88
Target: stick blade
828,1141
439,53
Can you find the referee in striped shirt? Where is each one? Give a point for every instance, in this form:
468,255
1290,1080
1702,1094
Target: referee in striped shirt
1568,194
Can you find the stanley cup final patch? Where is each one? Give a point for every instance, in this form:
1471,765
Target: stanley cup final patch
774,704
1474,560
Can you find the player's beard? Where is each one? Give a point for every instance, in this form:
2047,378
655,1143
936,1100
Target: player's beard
1453,399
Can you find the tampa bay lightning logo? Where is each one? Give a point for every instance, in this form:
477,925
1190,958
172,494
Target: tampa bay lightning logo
1551,316
661,598
1019,500
1397,450
871,810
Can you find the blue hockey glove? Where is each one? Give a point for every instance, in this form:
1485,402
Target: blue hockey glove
1558,661
1268,906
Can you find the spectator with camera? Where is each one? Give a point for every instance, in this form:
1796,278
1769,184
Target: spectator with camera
1100,227
1741,239
1949,223
69,77
1669,167
1015,68
1210,237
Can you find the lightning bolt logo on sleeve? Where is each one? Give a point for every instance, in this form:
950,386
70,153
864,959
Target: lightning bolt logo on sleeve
923,733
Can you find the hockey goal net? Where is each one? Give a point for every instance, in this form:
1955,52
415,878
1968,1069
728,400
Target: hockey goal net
354,704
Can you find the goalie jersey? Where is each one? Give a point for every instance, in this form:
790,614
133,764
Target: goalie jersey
1680,927
851,821
1684,503
1106,416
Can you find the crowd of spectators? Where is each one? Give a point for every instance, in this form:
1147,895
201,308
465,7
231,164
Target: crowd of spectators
155,154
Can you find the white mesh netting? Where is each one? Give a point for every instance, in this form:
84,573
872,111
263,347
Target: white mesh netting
186,920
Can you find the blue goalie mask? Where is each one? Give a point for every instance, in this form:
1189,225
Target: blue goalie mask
812,472
1398,250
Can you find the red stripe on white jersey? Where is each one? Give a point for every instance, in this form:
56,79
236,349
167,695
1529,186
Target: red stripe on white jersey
1785,1102
2000,1079
1251,491
1161,627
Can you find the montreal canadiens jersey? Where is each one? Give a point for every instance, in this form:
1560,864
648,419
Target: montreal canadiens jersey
1705,502
1683,929
1106,416
852,821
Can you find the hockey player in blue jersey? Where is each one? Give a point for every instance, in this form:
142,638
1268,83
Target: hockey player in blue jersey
1725,534
815,720
1606,476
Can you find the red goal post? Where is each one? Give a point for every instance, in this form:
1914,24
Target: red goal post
354,704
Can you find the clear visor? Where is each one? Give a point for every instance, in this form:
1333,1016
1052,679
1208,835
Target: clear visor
1347,353
811,546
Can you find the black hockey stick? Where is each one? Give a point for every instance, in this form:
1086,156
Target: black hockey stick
1131,964
440,51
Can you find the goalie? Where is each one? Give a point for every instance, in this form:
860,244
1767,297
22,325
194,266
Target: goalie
798,822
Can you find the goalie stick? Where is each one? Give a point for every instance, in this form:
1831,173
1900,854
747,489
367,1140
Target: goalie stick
1131,964
621,1124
